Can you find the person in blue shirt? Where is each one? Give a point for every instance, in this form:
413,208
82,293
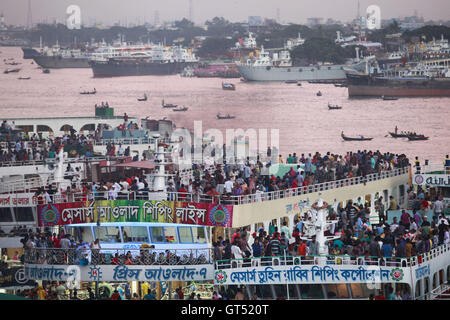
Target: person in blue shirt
386,249
257,248
339,243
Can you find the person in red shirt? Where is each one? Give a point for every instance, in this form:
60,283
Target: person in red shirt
380,296
115,295
301,248
115,260
294,184
56,241
182,193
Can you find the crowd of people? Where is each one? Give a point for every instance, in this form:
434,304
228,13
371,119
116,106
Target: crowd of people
36,148
248,180
407,237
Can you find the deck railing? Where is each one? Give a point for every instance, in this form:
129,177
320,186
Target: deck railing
223,198
105,256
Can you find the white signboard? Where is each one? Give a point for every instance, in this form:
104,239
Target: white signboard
120,273
432,180
311,275
18,200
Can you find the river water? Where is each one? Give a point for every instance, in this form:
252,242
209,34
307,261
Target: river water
304,122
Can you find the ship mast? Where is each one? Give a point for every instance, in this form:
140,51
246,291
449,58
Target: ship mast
317,227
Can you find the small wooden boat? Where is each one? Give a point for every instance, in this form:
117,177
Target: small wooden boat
360,138
24,78
398,135
46,71
12,70
168,105
89,92
290,81
331,107
389,98
224,117
181,109
417,137
144,98
228,86
319,94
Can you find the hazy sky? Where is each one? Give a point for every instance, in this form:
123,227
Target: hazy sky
138,11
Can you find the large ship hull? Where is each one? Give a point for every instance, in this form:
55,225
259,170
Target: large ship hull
261,73
365,86
114,69
57,62
29,53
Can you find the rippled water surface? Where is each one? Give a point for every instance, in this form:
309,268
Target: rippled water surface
305,124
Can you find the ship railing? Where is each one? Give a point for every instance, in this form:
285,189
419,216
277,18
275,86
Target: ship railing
48,161
432,168
127,141
437,293
288,260
224,198
106,256
23,185
320,187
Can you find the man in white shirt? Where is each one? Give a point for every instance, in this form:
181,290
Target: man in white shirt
236,253
394,224
229,186
65,242
124,184
121,151
438,206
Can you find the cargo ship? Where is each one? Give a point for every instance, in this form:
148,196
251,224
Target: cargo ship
117,67
58,58
419,81
279,68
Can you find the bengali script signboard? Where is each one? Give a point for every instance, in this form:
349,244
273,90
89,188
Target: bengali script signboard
207,214
311,274
119,273
18,200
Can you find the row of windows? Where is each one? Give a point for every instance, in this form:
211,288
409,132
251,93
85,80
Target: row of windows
21,214
172,235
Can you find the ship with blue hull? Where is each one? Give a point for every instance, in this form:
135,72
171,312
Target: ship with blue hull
29,53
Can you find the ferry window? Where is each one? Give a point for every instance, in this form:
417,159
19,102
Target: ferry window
108,234
185,234
23,214
164,234
135,234
157,234
86,234
338,291
199,234
5,215
360,290
311,291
